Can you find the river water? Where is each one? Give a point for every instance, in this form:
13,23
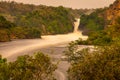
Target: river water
53,45
8,49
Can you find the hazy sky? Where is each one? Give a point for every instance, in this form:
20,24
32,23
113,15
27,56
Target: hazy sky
70,3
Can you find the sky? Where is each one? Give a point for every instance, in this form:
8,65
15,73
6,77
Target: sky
75,4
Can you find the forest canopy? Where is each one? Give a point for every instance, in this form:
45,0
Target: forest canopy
32,21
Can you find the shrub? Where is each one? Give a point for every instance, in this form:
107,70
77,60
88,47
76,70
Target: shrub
37,67
25,33
101,64
4,35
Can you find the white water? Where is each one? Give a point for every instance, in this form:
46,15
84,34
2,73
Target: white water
76,25
71,36
19,47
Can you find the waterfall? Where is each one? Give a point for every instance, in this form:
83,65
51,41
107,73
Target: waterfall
76,30
76,25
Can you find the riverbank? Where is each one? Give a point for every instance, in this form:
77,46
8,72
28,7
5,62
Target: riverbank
52,45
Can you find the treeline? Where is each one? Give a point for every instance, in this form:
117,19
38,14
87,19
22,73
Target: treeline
9,31
32,21
49,20
37,67
92,22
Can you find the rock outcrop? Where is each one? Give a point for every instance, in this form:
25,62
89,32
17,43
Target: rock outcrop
113,12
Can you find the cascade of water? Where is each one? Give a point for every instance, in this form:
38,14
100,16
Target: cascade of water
76,26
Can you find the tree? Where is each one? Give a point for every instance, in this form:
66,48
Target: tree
5,24
37,67
4,69
92,22
102,63
5,29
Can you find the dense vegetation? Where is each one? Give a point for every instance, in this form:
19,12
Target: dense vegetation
98,28
32,21
5,29
8,31
102,26
49,21
93,22
37,67
101,63
106,36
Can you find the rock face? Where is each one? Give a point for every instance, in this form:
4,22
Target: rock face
113,12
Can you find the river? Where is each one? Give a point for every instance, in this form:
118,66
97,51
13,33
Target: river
53,45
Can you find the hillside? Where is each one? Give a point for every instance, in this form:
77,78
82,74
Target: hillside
33,21
103,25
50,20
101,18
113,12
92,22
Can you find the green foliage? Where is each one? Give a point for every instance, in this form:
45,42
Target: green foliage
4,35
114,30
73,53
8,31
2,60
4,71
107,36
100,63
5,29
25,32
92,22
37,67
99,38
5,24
57,21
